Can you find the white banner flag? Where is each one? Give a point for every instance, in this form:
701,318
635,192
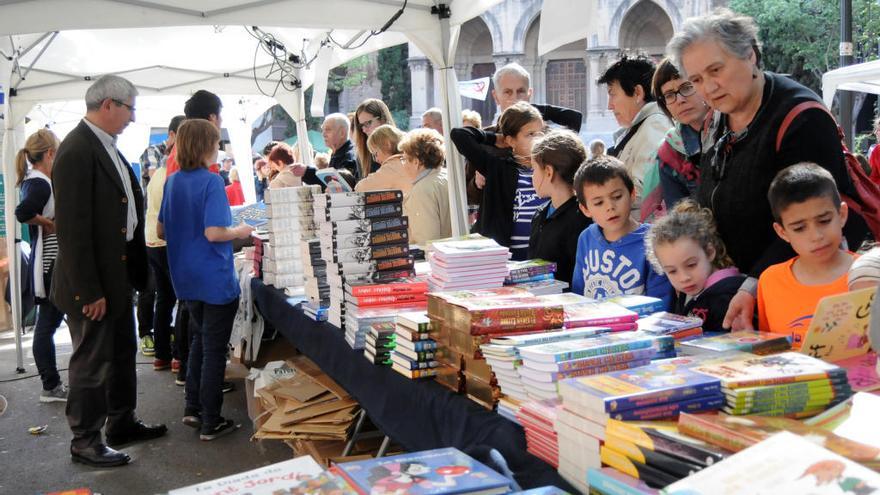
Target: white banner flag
475,89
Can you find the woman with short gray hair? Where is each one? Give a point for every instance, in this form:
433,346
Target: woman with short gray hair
719,54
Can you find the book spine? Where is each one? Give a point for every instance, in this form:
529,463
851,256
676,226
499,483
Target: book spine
606,359
531,271
652,398
649,439
606,349
489,321
791,390
670,410
391,299
344,478
524,277
596,370
781,380
388,289
692,426
612,320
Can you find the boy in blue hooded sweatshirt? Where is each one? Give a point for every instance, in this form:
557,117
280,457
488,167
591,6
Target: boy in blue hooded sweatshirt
611,257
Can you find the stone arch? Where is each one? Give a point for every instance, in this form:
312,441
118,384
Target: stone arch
644,25
526,22
491,23
474,60
558,77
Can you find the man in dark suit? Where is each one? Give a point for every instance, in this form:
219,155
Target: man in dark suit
101,257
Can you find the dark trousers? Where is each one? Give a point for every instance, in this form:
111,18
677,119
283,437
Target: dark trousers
103,380
182,338
211,326
165,299
48,319
146,301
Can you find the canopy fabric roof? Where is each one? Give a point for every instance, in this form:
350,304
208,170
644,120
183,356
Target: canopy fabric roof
173,47
864,78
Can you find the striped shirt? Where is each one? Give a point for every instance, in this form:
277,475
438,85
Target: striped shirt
50,251
525,202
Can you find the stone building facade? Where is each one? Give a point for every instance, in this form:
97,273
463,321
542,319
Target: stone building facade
566,76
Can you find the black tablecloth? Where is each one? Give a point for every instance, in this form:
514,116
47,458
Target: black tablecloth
419,415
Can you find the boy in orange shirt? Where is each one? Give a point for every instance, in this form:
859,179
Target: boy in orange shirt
809,215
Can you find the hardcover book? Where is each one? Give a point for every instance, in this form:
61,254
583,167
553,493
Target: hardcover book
668,440
555,352
745,340
839,328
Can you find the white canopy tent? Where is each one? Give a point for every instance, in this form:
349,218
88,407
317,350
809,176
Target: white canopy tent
55,48
863,78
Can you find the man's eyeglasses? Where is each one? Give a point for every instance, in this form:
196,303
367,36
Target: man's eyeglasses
370,123
685,90
123,104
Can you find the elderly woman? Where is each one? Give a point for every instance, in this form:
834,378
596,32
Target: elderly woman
383,143
427,204
642,123
719,55
370,114
678,159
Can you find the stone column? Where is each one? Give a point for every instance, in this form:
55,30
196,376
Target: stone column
421,83
600,121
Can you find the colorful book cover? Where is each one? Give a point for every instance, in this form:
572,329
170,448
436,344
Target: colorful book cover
664,323
365,225
366,301
361,212
595,346
590,362
643,305
666,463
784,464
657,383
370,253
555,376
782,368
253,215
668,440
484,316
415,320
671,410
299,475
788,390
609,481
359,198
745,340
861,372
531,339
736,433
839,328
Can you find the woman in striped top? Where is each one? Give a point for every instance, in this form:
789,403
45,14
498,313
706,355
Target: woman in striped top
37,210
509,199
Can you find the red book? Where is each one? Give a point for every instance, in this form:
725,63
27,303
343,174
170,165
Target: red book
396,299
392,288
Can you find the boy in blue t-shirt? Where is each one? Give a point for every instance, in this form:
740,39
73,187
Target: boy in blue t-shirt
611,256
195,220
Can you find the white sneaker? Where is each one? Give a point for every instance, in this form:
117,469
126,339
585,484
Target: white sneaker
57,394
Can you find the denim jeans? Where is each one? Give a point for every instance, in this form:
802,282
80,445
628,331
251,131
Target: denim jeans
210,328
165,299
48,319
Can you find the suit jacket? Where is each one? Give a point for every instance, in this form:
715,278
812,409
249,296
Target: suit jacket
94,259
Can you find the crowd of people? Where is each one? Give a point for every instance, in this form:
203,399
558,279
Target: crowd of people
719,194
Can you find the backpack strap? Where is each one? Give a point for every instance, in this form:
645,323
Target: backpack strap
793,113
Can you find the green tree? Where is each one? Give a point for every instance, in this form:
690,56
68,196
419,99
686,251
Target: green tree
801,37
393,72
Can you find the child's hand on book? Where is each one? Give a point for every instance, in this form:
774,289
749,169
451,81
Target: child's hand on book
243,231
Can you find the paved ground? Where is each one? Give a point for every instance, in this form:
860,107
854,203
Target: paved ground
36,464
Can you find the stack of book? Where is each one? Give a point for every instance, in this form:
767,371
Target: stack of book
545,365
379,343
290,222
519,272
469,263
359,320
678,326
439,472
788,384
537,419
255,253
361,295
363,238
785,464
315,268
659,390
415,351
760,343
503,356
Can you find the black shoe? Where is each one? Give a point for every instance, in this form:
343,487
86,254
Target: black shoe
99,456
225,427
228,387
138,432
193,419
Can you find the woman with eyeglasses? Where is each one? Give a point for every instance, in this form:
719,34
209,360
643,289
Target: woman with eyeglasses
678,159
741,155
370,114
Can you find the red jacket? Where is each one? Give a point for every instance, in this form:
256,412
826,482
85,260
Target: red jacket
234,194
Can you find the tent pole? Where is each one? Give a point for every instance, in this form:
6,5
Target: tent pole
846,58
12,246
451,109
302,128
